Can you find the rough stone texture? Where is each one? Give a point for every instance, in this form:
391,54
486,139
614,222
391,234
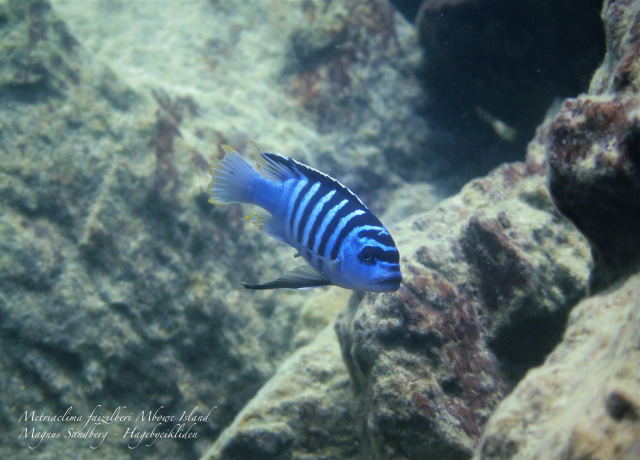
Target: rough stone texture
584,402
496,64
594,152
302,412
490,277
118,281
327,83
488,272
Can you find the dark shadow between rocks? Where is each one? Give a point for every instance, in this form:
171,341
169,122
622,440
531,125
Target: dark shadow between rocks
526,341
493,66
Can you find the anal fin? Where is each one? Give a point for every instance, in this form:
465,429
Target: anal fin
303,277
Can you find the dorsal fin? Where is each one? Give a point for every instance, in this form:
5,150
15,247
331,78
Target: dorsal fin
272,165
275,166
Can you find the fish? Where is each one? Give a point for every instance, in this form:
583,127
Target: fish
341,241
502,129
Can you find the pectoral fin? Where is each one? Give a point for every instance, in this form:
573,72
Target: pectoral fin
303,277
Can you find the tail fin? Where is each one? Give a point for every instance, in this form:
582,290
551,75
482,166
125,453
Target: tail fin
232,179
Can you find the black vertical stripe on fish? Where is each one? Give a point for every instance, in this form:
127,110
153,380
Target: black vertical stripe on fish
304,205
313,217
374,234
313,234
322,191
357,221
331,228
296,204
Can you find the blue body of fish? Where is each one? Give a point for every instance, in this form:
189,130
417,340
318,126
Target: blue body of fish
342,241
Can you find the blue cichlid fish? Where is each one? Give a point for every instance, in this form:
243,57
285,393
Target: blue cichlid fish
326,223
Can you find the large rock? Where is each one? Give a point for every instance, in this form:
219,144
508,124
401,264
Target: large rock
594,164
112,264
584,402
490,277
594,152
332,84
119,283
302,411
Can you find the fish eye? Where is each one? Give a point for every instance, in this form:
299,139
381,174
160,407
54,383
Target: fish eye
366,257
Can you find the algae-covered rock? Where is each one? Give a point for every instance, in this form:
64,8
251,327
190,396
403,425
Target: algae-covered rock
119,282
109,263
303,410
584,402
594,152
594,165
331,84
490,277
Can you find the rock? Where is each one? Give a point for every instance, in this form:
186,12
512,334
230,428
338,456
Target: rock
304,409
329,82
594,165
584,402
409,199
119,282
490,277
594,153
35,57
620,71
493,67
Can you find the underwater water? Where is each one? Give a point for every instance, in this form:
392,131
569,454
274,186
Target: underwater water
487,150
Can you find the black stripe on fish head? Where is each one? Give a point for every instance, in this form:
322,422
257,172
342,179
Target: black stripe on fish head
372,254
376,235
357,221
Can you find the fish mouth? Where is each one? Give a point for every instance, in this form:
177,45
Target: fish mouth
388,283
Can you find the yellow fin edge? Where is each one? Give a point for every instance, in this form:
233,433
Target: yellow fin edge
257,220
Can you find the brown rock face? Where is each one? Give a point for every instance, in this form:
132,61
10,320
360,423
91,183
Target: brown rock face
585,401
594,153
490,276
594,164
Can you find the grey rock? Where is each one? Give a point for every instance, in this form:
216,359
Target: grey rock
490,277
119,282
584,402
